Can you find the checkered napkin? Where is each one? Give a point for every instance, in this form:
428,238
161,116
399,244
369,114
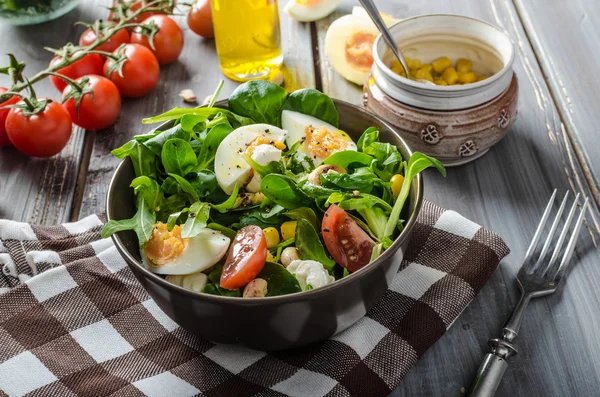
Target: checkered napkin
74,321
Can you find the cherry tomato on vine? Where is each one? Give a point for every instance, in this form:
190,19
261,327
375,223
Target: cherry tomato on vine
120,37
43,134
140,72
200,19
90,64
168,42
137,4
99,108
4,141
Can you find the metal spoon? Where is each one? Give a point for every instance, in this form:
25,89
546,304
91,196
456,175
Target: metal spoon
373,12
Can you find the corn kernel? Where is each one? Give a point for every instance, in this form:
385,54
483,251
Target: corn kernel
482,77
450,76
440,82
397,181
413,63
288,229
270,257
464,65
441,64
272,237
427,67
423,74
466,78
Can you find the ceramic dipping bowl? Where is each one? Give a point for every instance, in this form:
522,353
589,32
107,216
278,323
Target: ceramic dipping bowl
278,322
456,124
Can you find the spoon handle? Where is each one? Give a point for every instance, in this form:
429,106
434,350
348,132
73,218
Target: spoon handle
373,12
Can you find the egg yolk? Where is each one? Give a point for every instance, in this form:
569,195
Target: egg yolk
261,140
322,143
164,245
359,50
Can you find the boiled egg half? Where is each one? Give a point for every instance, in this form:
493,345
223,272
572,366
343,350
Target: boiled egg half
168,253
263,142
310,10
319,139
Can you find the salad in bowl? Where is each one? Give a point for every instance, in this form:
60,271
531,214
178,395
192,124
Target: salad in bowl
266,197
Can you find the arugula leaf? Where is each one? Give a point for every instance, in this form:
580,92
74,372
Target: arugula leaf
155,144
305,213
416,164
174,217
229,203
370,135
347,159
197,219
309,245
142,158
186,187
149,190
283,191
313,103
178,157
279,280
141,223
214,137
177,113
259,100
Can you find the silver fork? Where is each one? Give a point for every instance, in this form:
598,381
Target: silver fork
537,277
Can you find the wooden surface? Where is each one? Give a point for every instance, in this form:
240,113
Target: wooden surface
552,145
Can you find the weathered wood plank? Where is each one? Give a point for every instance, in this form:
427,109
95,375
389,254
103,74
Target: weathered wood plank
38,190
565,37
506,191
198,69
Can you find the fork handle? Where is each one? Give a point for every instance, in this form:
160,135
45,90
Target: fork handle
492,369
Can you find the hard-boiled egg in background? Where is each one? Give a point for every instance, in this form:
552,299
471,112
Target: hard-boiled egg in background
320,139
310,10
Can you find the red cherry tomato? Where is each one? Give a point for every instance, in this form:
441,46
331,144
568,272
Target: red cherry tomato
98,110
90,64
349,245
168,42
4,114
245,259
89,37
140,72
200,19
113,16
40,135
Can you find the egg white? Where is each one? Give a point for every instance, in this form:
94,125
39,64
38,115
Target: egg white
295,124
230,167
310,13
201,252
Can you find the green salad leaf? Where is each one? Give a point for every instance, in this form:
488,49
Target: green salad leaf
283,191
155,144
313,103
206,157
259,100
309,245
186,187
305,213
229,203
149,190
141,223
178,157
279,280
215,278
176,113
348,159
143,159
198,215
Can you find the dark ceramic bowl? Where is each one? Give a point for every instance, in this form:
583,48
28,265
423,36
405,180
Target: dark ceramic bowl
280,322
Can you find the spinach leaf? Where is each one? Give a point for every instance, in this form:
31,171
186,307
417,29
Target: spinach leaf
416,164
170,205
149,190
272,167
348,159
273,211
177,113
304,213
317,192
211,289
283,191
370,135
279,280
309,245
261,217
155,144
186,187
229,203
141,223
197,219
214,137
178,157
215,277
313,103
223,229
141,157
259,100
204,183
363,179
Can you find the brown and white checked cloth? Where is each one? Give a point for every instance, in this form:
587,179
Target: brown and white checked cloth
74,321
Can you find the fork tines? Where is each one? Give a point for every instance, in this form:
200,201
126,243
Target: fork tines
548,267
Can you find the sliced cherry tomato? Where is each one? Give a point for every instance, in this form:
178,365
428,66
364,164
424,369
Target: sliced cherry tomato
245,259
349,245
168,42
41,135
200,19
99,108
120,37
90,64
140,72
4,141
